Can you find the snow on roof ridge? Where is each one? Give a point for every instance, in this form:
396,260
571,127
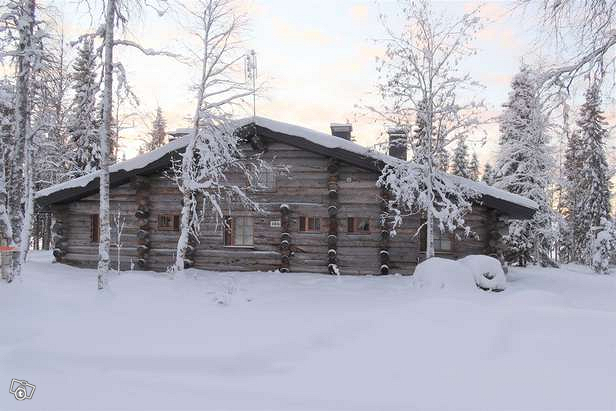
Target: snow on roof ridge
317,137
139,161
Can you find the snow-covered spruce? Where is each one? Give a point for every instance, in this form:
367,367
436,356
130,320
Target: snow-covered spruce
83,123
460,165
523,167
593,186
158,135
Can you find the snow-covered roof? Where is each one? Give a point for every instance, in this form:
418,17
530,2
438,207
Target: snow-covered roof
292,134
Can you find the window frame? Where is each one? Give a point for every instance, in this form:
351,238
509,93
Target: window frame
353,225
270,185
172,225
304,221
439,236
95,229
230,233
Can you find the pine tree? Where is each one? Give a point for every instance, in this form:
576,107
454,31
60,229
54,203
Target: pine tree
593,186
573,235
84,119
488,174
522,167
158,133
460,165
473,168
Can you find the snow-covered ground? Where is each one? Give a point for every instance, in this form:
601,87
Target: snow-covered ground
268,341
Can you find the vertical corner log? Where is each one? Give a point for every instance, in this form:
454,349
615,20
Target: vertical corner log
385,234
59,236
285,238
332,211
142,213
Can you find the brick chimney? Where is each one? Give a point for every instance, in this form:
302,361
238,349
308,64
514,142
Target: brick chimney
397,142
342,130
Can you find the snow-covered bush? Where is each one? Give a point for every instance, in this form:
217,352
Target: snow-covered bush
601,249
487,272
461,275
438,273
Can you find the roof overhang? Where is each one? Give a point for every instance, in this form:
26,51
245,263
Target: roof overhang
346,151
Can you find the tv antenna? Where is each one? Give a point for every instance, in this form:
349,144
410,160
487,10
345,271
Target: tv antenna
250,72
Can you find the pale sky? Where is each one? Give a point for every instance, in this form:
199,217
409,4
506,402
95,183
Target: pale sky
318,58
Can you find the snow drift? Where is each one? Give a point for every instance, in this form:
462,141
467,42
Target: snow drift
461,275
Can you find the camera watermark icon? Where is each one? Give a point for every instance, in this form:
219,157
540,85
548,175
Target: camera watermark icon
21,389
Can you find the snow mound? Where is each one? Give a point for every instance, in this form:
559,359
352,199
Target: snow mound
461,275
487,272
440,273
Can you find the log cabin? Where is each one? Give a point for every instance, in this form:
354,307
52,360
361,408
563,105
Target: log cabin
321,215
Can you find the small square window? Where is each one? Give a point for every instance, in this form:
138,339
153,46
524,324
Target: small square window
168,222
309,224
358,225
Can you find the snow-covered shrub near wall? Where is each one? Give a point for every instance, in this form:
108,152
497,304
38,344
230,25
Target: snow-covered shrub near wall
465,274
487,272
440,273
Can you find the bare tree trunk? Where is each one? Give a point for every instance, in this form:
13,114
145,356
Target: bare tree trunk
105,227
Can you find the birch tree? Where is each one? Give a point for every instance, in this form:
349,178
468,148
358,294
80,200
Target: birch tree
213,147
585,32
21,30
117,14
7,121
420,79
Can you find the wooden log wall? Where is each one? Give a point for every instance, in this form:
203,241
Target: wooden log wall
59,240
80,250
285,238
358,197
278,243
332,212
385,225
142,214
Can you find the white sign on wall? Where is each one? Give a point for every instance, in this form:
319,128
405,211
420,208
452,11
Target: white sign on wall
275,223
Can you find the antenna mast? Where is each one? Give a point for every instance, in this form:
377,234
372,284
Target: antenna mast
251,76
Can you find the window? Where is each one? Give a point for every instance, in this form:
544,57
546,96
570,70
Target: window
443,241
309,224
168,222
358,225
94,228
266,179
239,231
